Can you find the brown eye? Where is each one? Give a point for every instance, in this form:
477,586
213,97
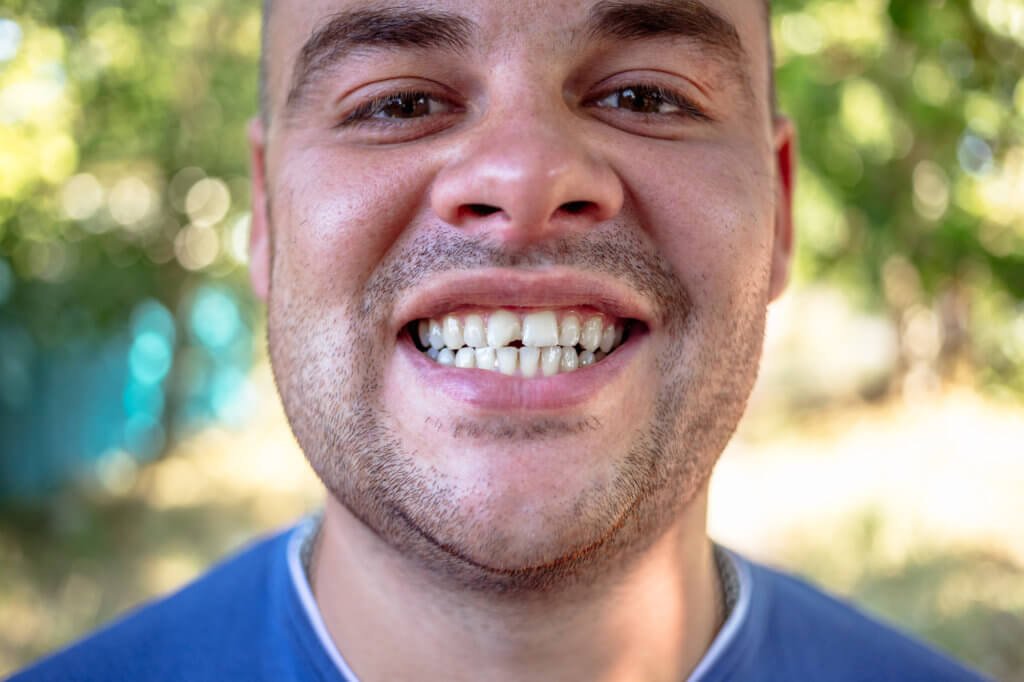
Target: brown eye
399,106
639,100
404,106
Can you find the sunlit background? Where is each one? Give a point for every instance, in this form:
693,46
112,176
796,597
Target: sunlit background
141,438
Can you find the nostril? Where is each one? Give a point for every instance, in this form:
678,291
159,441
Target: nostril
576,207
482,210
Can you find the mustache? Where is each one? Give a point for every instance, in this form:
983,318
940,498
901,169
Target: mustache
619,253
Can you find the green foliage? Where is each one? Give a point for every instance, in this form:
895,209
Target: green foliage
911,119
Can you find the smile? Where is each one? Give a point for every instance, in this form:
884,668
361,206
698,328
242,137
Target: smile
531,344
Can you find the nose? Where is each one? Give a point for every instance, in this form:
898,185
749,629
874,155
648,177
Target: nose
526,179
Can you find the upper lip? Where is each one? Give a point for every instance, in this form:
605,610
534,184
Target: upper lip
508,288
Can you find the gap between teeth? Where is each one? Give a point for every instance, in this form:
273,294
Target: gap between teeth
547,345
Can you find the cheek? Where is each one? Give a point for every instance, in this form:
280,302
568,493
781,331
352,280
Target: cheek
709,210
337,215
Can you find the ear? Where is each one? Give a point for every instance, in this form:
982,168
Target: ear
259,237
785,161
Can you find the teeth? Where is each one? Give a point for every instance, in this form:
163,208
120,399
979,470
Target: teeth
550,361
508,358
570,361
570,331
452,330
551,343
474,334
607,339
529,361
486,358
502,329
590,337
465,358
540,330
435,335
423,332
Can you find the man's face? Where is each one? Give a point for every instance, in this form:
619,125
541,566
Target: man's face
513,166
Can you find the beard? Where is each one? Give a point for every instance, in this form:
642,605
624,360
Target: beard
331,386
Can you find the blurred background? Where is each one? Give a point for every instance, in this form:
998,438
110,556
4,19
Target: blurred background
140,434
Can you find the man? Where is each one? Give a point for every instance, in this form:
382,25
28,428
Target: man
517,257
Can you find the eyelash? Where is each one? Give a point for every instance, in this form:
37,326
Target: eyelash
366,113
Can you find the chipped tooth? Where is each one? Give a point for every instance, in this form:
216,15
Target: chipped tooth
508,358
586,358
540,329
486,358
502,329
432,353
599,356
590,337
529,360
474,333
608,339
570,361
550,360
452,329
446,357
570,331
435,335
423,333
465,358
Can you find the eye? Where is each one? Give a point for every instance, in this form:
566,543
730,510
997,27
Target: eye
651,100
399,106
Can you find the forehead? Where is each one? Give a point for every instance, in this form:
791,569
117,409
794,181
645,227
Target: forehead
543,29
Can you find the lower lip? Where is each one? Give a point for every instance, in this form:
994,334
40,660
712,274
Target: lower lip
497,392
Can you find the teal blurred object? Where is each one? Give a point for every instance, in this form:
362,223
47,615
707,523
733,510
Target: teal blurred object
66,410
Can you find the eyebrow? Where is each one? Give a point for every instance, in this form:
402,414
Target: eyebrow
692,20
379,27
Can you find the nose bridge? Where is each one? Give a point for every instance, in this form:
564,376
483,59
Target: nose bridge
525,172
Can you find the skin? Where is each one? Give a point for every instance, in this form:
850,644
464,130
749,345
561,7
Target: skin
558,543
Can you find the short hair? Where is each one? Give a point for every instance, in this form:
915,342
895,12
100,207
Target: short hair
268,7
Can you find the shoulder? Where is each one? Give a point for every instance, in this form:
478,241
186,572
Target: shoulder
214,622
813,635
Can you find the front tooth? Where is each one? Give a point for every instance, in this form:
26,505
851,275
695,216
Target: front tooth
529,359
435,335
570,332
465,358
586,358
446,357
423,333
452,332
540,330
502,329
550,361
486,358
619,333
474,334
608,339
507,360
570,361
590,337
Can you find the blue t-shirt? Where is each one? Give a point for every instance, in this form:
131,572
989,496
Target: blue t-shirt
254,618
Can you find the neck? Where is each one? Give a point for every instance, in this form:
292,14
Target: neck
654,621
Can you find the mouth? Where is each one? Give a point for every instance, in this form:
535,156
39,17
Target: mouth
529,343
